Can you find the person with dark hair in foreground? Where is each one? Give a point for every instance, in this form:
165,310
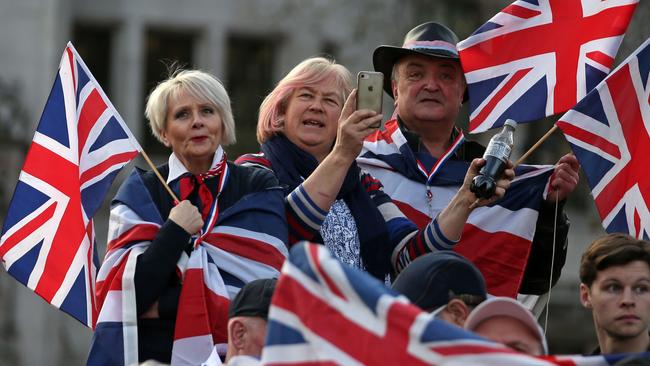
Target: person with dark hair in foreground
615,285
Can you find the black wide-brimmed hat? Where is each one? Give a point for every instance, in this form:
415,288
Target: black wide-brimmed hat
428,39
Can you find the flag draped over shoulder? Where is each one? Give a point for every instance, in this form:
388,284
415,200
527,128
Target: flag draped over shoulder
80,145
246,241
496,238
325,313
537,58
609,131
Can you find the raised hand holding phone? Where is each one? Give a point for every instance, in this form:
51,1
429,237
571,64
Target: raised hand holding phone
370,91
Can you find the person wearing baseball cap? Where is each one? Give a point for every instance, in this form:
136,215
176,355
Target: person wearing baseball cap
425,78
444,283
248,315
506,321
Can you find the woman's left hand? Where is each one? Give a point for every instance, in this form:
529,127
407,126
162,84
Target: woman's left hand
354,127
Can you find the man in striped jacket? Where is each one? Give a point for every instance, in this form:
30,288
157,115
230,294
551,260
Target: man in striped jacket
418,149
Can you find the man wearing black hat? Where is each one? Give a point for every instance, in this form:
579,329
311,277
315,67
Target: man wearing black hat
248,315
426,80
444,283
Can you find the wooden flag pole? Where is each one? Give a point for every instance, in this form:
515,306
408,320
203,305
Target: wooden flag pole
162,180
534,147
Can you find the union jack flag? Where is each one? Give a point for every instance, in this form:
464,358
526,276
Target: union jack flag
246,241
80,145
496,238
326,313
537,58
609,133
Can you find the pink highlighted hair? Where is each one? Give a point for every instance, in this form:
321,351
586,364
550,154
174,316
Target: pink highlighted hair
306,74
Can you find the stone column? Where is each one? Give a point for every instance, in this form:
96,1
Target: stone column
127,73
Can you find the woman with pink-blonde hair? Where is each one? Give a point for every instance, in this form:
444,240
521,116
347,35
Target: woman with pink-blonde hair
310,135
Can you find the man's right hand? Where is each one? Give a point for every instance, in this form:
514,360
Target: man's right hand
187,216
452,218
502,184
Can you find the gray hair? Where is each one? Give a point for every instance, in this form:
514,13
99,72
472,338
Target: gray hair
394,73
200,85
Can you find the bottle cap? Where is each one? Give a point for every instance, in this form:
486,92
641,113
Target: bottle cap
510,122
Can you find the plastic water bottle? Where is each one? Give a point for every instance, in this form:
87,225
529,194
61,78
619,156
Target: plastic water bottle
496,158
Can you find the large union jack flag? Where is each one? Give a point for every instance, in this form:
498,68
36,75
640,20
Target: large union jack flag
609,131
80,145
326,313
496,238
537,58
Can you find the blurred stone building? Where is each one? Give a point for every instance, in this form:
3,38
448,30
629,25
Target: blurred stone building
249,44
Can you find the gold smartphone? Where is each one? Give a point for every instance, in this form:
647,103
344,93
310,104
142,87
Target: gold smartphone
370,91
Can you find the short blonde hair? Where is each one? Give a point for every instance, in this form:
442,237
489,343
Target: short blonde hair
307,73
202,86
